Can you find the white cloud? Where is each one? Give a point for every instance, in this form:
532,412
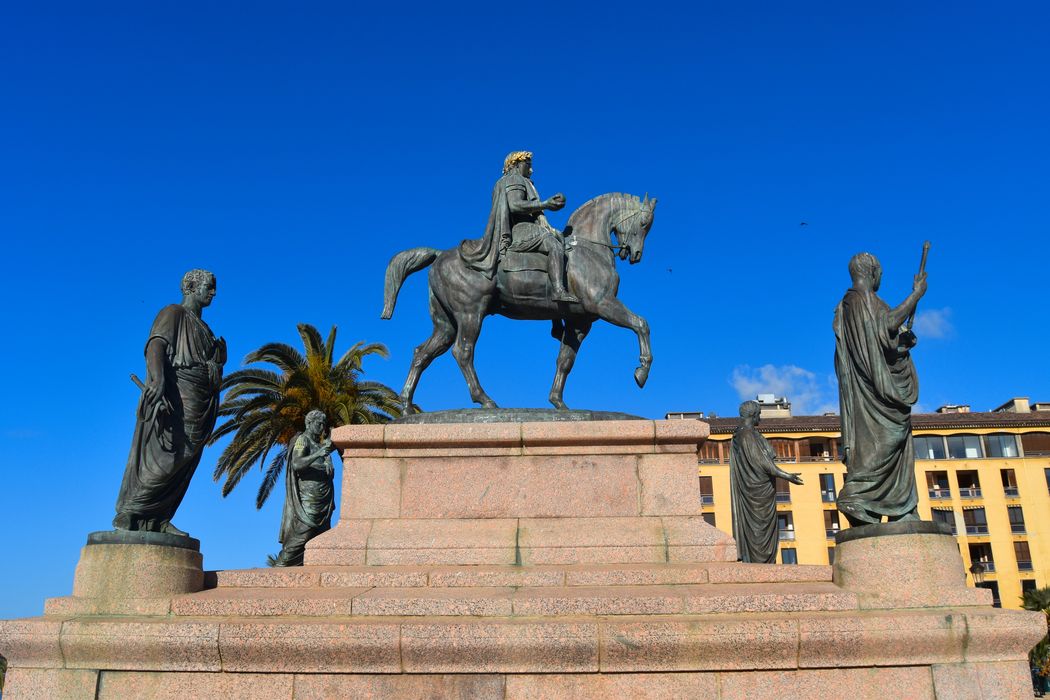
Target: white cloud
934,324
808,392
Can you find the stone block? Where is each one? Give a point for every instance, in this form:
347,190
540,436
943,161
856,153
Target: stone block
585,686
371,487
71,606
600,600
307,646
668,484
224,602
1005,680
49,684
356,440
374,576
346,544
692,433
434,601
480,437
753,598
740,572
32,642
698,644
589,437
270,577
505,647
117,685
403,687
855,683
1000,635
661,574
157,644
514,576
406,541
511,487
872,638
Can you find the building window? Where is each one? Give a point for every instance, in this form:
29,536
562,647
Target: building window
982,553
788,556
783,491
929,447
1016,520
831,523
710,452
1024,556
786,525
817,449
831,555
964,447
937,483
1009,482
1000,446
969,484
976,523
1036,444
827,488
707,491
709,518
784,449
945,515
1046,473
1027,584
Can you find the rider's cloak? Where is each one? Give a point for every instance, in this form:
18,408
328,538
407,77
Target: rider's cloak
482,254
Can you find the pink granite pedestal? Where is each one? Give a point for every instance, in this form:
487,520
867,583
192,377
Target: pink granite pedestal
526,561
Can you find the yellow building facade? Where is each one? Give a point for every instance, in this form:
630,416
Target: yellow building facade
986,474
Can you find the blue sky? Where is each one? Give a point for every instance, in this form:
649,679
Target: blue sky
293,150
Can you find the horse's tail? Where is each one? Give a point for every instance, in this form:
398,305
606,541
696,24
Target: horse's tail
401,266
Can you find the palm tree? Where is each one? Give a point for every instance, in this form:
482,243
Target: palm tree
265,409
1039,599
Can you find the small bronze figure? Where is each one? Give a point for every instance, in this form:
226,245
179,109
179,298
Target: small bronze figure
753,480
176,412
877,388
310,494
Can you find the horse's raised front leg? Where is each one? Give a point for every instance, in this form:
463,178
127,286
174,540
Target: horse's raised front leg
439,341
614,311
468,327
573,334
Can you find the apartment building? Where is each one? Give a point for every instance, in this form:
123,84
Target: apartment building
986,474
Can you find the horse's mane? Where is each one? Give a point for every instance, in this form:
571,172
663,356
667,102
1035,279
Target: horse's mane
586,207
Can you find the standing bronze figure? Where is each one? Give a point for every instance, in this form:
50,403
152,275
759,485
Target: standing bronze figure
309,493
514,270
177,410
877,388
753,481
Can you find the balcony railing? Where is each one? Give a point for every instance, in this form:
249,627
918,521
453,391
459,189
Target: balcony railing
1017,528
831,532
787,534
989,566
1010,491
707,499
827,496
940,493
1024,566
971,492
976,529
783,497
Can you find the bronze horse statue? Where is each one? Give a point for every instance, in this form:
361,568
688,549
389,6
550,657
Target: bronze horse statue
461,297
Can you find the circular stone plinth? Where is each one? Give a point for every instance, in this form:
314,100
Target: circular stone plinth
161,539
511,415
900,527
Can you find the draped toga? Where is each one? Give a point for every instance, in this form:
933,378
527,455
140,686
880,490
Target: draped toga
167,446
877,388
753,477
309,499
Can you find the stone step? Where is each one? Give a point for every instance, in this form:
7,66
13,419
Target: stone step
505,601
515,576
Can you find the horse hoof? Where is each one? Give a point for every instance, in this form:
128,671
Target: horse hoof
489,404
640,376
559,404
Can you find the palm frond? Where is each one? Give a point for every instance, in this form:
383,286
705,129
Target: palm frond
270,478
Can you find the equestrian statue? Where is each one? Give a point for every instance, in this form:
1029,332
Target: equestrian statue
524,268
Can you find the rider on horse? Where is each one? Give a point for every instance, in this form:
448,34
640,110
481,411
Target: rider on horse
516,223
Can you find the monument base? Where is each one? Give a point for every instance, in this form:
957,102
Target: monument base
523,560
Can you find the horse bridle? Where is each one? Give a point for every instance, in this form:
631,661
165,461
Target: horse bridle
614,227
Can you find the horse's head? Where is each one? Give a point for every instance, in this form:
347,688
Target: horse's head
633,227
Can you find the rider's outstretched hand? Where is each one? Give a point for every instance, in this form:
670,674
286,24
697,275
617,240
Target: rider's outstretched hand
556,202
